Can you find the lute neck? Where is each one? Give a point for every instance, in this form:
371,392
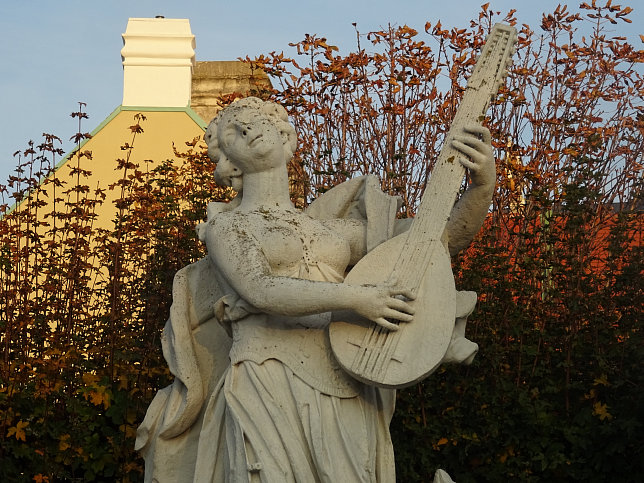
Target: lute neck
424,236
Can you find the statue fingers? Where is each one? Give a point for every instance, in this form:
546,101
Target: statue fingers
398,315
480,131
470,151
407,293
401,306
473,141
468,164
382,322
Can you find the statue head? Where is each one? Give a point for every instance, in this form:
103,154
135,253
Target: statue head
227,173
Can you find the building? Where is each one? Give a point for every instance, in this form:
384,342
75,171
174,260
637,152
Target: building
177,95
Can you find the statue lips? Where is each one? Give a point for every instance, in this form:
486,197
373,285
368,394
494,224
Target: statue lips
256,138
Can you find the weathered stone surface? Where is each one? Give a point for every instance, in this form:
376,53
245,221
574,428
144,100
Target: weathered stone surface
259,394
216,78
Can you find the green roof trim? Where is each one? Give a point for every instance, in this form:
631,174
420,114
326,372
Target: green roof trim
64,159
192,114
188,110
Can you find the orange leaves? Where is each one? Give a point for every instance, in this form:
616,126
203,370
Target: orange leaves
570,151
601,381
437,31
128,430
601,411
64,443
620,13
438,444
507,453
18,431
311,44
99,396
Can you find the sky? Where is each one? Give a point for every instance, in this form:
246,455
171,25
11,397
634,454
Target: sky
55,54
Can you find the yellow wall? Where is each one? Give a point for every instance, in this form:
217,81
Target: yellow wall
161,130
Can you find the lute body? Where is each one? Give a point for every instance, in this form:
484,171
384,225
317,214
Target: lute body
375,355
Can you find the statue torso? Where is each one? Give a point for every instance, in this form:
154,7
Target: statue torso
296,246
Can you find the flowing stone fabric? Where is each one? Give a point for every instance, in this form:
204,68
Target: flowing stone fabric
312,436
276,427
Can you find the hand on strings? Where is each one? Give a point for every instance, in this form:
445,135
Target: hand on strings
383,303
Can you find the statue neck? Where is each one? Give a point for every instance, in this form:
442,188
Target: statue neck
268,189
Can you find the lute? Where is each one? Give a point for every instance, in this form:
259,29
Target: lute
418,258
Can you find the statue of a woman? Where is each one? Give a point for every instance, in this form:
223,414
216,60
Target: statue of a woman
282,409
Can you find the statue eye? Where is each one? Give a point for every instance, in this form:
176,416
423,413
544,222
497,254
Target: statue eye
229,134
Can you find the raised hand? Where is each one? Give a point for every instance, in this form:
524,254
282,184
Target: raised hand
475,143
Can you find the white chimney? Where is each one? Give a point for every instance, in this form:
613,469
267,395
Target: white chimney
158,57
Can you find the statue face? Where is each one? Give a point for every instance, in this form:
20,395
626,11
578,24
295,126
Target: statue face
227,174
249,140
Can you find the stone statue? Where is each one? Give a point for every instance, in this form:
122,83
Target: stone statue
258,393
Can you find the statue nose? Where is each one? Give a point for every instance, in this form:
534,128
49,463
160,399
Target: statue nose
244,127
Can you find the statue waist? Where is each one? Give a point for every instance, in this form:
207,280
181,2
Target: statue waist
301,343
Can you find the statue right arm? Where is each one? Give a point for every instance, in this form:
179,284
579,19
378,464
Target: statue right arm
239,258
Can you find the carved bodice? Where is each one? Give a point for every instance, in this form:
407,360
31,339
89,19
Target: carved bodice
295,246
288,239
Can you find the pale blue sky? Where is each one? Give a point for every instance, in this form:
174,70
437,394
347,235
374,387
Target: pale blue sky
56,53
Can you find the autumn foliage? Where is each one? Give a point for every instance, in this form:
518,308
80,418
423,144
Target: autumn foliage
556,393
82,305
